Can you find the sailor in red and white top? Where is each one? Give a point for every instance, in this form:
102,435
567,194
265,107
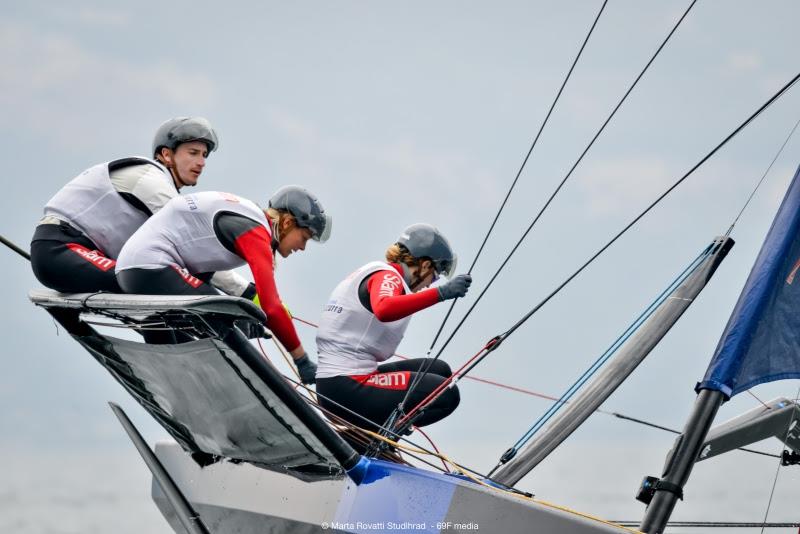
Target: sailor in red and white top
364,321
76,243
178,249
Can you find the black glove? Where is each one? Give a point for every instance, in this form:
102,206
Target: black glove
252,329
455,288
307,369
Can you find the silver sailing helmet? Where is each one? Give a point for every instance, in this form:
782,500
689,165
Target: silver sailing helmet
306,209
426,241
182,130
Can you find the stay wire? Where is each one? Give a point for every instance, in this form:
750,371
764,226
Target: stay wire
752,194
673,431
519,172
566,177
778,469
540,395
425,370
502,337
612,349
725,141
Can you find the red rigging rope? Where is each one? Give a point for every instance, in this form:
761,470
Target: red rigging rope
502,337
25,255
558,188
470,377
537,394
401,407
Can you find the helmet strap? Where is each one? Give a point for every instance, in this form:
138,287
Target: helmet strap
413,281
176,176
170,164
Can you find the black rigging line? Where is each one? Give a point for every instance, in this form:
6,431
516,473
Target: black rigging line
519,172
546,205
497,340
763,176
777,470
730,136
15,248
426,367
673,431
386,430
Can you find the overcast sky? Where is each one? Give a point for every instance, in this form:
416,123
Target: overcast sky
396,113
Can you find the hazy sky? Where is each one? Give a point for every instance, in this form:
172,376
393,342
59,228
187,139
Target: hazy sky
396,113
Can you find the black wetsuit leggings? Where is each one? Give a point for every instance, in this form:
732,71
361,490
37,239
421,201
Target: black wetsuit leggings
374,397
165,281
64,259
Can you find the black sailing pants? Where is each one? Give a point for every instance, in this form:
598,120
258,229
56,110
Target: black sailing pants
64,259
375,396
164,281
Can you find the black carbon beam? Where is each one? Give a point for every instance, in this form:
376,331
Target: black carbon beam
183,509
680,462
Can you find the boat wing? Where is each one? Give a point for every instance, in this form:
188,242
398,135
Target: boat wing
217,396
779,418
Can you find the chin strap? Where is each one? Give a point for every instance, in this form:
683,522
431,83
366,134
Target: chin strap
411,282
177,177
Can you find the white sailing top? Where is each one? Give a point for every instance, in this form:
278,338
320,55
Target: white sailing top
109,206
350,339
182,234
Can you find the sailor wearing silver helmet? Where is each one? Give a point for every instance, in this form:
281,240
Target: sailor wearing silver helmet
86,223
366,318
177,249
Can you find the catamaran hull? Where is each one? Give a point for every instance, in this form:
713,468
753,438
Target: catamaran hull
242,498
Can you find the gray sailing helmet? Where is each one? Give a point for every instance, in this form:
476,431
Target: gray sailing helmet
426,241
182,130
306,209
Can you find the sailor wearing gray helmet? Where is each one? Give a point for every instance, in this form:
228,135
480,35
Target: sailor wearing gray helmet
85,224
178,249
365,320
182,145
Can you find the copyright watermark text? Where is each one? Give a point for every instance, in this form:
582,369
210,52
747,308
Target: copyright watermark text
399,526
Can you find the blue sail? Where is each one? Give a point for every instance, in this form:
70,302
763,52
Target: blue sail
761,342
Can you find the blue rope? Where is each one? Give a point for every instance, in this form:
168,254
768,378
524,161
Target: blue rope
556,406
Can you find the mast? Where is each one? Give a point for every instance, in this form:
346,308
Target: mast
680,462
760,344
632,353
